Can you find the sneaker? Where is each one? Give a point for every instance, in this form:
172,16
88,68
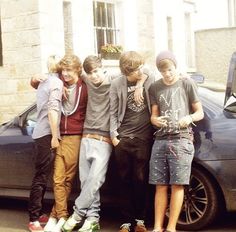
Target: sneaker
125,227
50,224
35,227
59,224
70,224
89,226
43,219
140,227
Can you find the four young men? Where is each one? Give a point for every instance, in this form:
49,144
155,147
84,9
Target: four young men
114,116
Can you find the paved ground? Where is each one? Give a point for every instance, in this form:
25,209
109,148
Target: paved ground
14,218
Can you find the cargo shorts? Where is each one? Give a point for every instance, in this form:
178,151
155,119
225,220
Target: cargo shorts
170,162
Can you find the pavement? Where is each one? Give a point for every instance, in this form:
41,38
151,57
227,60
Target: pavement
14,218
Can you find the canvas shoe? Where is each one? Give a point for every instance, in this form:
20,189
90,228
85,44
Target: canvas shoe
58,226
43,219
89,226
140,227
50,224
35,227
125,227
70,224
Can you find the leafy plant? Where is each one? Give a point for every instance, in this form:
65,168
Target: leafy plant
111,48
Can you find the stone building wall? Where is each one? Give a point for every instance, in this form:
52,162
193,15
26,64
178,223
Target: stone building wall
21,55
31,32
214,49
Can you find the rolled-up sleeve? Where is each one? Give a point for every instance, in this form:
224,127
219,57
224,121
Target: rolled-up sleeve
55,97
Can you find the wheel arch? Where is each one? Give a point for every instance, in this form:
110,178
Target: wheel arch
216,182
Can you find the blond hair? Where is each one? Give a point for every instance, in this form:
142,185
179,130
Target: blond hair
53,64
130,61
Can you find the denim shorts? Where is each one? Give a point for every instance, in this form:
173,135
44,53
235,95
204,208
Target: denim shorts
171,161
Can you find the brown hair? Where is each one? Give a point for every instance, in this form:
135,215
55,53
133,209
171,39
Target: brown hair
71,61
53,64
164,64
91,62
130,61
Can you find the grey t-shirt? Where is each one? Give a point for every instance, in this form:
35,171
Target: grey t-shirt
175,102
49,95
97,119
68,105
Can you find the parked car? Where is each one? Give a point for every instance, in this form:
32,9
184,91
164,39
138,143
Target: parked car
213,178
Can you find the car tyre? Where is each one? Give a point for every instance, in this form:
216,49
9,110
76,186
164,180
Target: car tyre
200,205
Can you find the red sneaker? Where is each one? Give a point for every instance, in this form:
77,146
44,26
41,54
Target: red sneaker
35,227
43,219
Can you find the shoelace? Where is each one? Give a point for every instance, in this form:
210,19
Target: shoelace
126,226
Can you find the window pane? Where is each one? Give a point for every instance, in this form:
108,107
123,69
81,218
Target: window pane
100,19
110,15
100,39
109,36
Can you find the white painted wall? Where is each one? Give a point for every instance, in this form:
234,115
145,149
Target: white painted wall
129,24
83,33
174,9
211,14
51,30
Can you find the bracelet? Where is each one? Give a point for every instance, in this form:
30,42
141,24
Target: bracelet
138,87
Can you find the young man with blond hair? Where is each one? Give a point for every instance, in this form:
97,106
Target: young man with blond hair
175,107
46,135
71,128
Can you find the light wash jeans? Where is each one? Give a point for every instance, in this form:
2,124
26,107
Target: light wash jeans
93,164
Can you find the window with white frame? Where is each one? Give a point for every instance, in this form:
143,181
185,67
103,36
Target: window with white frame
105,26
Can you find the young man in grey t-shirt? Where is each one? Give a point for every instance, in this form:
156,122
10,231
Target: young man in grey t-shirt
175,106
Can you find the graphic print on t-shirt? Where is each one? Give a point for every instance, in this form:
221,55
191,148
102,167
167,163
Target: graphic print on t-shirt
170,103
131,104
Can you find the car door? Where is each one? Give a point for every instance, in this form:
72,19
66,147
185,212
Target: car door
17,152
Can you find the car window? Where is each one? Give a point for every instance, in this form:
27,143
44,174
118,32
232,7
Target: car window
30,121
31,118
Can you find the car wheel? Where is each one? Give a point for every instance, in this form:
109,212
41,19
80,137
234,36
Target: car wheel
200,205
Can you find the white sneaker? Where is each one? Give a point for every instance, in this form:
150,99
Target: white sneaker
50,224
70,223
89,226
59,225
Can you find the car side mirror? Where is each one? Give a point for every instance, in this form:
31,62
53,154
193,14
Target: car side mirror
230,107
198,78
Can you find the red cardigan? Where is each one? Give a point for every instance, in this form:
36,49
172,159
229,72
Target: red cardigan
73,123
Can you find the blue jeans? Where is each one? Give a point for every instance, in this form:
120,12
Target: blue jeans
93,164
